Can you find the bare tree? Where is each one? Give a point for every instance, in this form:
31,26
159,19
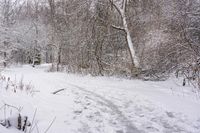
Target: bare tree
120,6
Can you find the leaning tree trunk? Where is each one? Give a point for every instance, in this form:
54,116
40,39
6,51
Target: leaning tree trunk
134,57
121,9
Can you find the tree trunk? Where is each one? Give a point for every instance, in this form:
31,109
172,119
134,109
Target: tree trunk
59,58
134,57
122,12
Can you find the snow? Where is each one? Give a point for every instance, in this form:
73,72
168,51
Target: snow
100,104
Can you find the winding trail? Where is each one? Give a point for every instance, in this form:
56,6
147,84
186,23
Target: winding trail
130,128
84,104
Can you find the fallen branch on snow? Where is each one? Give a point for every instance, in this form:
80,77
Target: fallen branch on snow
57,91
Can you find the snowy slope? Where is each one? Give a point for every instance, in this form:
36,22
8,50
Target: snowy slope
101,104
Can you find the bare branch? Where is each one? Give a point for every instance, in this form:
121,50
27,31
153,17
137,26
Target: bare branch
118,27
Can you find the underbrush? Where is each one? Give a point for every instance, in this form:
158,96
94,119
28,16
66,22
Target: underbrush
6,84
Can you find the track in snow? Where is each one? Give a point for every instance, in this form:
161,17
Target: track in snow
100,105
114,111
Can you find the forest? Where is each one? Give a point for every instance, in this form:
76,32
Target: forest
134,38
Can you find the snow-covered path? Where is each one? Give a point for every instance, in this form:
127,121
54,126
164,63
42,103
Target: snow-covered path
101,104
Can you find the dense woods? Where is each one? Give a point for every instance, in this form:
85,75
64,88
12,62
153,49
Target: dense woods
137,38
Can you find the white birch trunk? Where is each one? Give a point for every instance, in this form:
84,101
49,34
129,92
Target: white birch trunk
129,41
121,8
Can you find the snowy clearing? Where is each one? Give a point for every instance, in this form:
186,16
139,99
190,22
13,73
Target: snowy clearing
85,104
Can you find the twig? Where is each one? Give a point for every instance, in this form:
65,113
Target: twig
37,128
33,120
55,92
118,27
18,109
50,125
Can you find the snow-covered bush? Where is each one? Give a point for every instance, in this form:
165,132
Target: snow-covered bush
191,74
14,86
13,118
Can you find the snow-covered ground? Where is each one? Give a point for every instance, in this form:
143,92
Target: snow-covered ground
100,104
